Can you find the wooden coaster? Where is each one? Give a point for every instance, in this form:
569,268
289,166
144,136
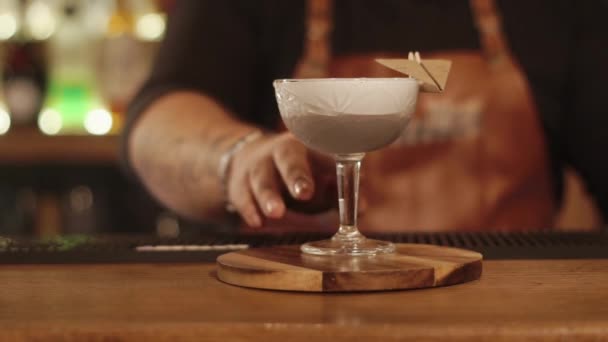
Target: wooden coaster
286,268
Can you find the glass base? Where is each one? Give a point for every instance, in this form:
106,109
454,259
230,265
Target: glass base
362,246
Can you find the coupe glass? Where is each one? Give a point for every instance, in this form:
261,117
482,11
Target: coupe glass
347,117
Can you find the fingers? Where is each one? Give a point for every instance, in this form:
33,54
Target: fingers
263,181
257,190
242,200
291,160
261,174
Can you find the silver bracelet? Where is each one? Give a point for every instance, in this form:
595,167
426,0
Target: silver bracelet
226,160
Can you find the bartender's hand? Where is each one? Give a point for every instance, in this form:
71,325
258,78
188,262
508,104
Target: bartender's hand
276,172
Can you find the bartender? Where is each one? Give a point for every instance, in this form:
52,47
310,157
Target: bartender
523,100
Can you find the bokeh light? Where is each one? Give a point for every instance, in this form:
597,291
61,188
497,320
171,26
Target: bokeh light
150,27
8,26
98,122
40,20
5,121
50,122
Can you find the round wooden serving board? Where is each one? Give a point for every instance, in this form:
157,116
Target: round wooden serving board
286,268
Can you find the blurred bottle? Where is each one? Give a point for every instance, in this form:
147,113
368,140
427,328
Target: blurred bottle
128,47
24,81
83,210
74,104
17,209
24,69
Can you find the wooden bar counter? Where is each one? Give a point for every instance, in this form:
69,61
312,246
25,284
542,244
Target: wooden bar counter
525,300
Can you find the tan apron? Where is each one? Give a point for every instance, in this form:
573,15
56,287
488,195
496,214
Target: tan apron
474,158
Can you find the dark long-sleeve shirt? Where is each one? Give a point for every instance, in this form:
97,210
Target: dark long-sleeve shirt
232,50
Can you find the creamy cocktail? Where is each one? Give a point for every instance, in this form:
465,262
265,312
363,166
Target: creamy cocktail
346,117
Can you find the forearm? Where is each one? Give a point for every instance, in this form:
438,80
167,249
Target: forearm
176,147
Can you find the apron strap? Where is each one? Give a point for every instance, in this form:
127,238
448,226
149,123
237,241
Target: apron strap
314,62
489,28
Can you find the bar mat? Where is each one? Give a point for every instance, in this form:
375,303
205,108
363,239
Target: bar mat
75,249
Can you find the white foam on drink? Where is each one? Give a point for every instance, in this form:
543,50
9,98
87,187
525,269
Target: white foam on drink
347,133
342,116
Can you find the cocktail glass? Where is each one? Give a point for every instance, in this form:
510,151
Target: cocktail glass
347,117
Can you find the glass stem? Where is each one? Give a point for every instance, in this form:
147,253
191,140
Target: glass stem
347,171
